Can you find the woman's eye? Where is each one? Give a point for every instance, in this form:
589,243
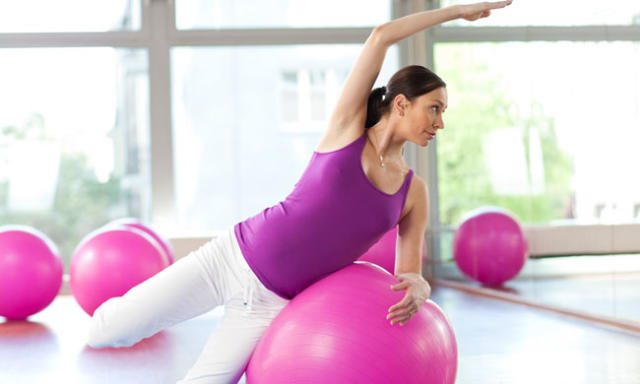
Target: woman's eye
435,108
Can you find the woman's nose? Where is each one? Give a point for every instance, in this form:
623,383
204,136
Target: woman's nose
438,124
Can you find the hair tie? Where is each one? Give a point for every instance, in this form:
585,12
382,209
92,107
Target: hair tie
384,91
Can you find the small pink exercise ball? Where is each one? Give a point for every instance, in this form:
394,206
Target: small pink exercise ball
336,331
110,261
30,271
383,252
135,223
489,246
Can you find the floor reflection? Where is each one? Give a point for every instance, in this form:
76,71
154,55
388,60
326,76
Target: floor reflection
52,348
26,346
142,359
600,285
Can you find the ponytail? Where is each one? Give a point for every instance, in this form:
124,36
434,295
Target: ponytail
375,104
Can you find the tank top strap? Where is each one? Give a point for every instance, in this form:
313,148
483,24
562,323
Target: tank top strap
360,142
407,181
409,176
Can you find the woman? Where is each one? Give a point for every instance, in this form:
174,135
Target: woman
355,188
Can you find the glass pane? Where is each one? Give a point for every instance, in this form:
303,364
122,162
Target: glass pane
552,140
207,14
557,13
243,133
74,139
69,15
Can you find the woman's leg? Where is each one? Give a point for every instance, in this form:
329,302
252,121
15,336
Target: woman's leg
247,315
231,344
192,286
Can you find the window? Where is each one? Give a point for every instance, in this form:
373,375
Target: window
542,135
243,133
69,16
96,104
308,96
525,106
224,14
74,139
558,13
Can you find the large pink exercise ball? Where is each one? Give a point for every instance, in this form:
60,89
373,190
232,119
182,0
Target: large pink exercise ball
30,271
383,252
336,331
110,261
489,246
135,223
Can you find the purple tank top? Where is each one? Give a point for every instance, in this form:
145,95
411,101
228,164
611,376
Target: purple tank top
332,216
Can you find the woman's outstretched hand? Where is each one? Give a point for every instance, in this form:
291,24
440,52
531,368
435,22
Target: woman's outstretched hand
477,11
417,293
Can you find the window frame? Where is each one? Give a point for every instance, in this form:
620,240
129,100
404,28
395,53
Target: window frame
544,240
158,35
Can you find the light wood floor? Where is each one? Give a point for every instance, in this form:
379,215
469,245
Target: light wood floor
502,342
498,342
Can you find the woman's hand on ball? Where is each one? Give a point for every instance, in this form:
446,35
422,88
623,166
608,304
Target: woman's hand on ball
417,293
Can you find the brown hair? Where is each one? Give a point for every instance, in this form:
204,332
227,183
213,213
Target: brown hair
411,81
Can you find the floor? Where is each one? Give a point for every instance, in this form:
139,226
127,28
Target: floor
614,296
501,342
51,348
607,285
498,342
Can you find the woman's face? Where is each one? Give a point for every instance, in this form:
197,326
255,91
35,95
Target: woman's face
425,116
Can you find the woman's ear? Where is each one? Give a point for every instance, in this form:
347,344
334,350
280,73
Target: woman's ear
400,103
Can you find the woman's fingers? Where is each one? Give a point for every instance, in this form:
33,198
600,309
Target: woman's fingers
476,11
500,4
497,4
402,318
401,285
404,303
402,314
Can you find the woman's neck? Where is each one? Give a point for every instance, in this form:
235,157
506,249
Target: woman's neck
385,142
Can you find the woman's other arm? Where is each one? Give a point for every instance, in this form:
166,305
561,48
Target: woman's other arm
408,266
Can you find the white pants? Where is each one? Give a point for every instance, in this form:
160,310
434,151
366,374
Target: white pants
215,274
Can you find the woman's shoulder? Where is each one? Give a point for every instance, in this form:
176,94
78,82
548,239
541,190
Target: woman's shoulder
417,196
417,187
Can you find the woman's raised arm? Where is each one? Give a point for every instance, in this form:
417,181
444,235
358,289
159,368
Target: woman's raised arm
352,103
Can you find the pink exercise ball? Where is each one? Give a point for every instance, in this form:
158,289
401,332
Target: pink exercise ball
135,223
336,331
489,246
383,252
30,271
110,261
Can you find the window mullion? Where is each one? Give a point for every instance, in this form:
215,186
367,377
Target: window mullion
270,36
163,206
73,39
536,33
